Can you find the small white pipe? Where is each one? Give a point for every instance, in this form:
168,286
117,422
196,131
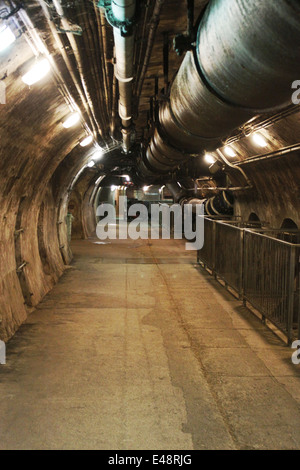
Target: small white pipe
124,45
123,9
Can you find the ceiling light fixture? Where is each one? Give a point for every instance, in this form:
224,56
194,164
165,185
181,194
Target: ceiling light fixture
7,37
98,154
145,188
91,164
259,140
88,140
209,158
37,72
71,120
229,151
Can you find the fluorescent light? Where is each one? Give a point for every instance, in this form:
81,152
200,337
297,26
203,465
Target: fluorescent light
71,120
7,37
98,154
91,164
113,188
126,177
86,141
229,151
145,188
37,72
209,158
259,140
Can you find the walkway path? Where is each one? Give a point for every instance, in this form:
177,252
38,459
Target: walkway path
138,348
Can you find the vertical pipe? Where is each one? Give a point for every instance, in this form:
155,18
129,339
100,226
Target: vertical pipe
291,297
151,38
138,62
190,17
123,11
114,107
166,61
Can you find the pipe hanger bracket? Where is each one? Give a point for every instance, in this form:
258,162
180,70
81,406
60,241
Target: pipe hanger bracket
125,27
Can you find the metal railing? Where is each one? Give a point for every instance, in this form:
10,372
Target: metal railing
207,254
228,252
262,269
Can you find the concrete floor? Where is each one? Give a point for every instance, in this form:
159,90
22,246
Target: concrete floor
138,348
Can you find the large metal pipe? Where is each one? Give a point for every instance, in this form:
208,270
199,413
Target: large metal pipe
221,204
244,63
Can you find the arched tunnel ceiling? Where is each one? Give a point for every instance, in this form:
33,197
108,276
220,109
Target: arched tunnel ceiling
37,113
32,117
42,107
33,140
41,161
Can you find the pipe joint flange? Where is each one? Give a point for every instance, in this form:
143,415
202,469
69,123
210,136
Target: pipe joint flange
125,27
121,79
127,130
164,137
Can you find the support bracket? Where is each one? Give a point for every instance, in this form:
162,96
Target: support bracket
125,27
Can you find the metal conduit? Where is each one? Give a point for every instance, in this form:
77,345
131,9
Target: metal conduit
244,63
67,61
120,15
150,42
67,27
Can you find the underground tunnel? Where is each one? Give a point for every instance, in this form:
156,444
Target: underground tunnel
150,225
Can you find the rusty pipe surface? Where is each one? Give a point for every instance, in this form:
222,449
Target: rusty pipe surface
244,62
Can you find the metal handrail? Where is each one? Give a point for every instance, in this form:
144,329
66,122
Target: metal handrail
262,269
283,242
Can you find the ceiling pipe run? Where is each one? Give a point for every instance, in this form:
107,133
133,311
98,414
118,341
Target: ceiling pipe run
68,28
121,16
67,61
220,204
150,42
244,62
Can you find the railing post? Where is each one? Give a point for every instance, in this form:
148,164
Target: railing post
298,288
291,294
241,270
244,277
214,248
